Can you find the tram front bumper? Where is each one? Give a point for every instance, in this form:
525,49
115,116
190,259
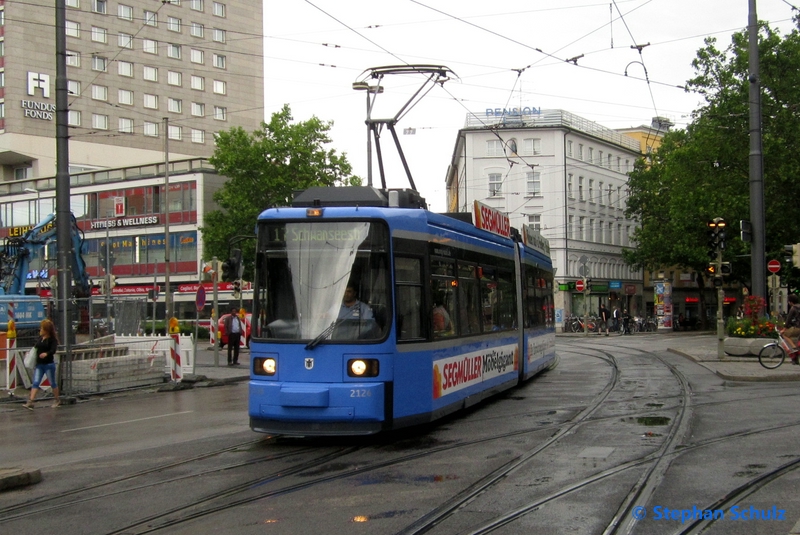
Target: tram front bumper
349,402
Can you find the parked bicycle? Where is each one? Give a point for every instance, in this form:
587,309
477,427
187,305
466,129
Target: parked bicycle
774,354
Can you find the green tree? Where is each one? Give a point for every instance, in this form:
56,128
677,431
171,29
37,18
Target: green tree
263,169
703,172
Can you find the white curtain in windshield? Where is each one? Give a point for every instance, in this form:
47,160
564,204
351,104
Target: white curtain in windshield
320,258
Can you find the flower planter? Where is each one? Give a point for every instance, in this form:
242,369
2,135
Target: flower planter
743,347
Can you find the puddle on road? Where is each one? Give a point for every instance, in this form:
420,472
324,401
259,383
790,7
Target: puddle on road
653,420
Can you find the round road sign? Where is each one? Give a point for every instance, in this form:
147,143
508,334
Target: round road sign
579,285
774,266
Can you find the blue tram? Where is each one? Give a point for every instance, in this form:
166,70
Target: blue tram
371,313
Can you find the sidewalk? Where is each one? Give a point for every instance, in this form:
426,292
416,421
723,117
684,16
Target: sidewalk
205,364
702,349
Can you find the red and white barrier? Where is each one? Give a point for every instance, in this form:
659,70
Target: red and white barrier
176,371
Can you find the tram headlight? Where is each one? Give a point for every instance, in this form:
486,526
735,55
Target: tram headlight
265,366
363,367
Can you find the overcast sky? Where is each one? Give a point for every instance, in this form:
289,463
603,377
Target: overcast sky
505,54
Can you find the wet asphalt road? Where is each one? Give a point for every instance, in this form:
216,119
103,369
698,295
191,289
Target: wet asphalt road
620,429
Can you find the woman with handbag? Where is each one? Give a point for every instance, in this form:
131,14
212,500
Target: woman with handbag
46,348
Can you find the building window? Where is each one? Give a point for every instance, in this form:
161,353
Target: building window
173,24
600,158
590,231
198,83
150,73
99,35
22,173
196,56
125,125
174,105
150,130
619,163
198,109
218,9
150,18
581,223
73,59
149,46
532,146
73,87
174,78
580,151
99,92
580,189
220,113
198,136
534,183
218,35
494,147
125,96
175,132
570,194
100,6
197,5
174,51
569,149
571,227
220,87
609,195
535,221
591,190
627,166
608,163
73,3
619,196
100,121
590,155
73,29
197,29
611,233
151,101
219,61
495,184
99,63
74,118
124,40
600,193
125,68
124,12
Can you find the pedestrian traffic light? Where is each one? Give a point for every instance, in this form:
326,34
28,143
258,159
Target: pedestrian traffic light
231,266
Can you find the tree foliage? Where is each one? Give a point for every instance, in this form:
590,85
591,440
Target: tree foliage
263,170
703,172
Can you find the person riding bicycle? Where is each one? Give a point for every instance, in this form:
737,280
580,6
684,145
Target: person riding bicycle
791,331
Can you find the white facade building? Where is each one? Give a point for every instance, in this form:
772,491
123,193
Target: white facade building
565,176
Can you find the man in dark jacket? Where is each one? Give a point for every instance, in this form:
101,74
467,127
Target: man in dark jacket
233,328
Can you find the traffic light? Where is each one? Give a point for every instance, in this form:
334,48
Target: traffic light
796,255
716,235
725,268
746,232
237,288
231,266
112,280
717,282
711,270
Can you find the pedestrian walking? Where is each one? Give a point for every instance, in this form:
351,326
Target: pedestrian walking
605,315
46,347
233,328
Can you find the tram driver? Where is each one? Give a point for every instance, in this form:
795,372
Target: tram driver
355,317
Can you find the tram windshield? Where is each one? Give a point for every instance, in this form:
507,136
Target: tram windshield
322,281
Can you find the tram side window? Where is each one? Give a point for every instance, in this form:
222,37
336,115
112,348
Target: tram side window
498,300
469,297
443,298
408,292
535,305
